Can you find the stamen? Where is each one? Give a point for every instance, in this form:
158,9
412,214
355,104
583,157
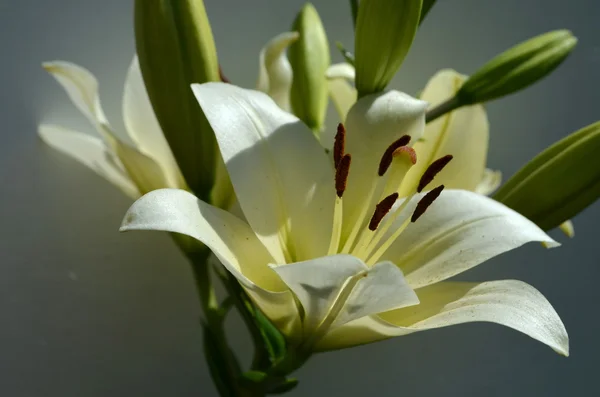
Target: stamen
341,175
431,171
382,210
339,145
405,150
386,159
425,202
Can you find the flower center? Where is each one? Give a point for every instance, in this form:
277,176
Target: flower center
370,237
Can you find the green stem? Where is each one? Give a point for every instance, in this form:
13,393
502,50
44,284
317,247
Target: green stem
240,299
443,108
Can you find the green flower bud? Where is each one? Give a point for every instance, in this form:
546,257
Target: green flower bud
385,30
176,48
518,67
559,182
309,57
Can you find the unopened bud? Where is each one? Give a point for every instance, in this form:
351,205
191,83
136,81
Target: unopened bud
518,67
309,57
385,30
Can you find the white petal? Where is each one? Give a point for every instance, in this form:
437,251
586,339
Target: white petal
463,133
341,70
372,125
382,288
275,72
317,283
490,182
459,231
510,303
143,127
82,88
143,170
280,173
89,151
343,94
228,237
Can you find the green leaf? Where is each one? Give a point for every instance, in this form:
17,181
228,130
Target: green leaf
385,30
518,67
274,340
310,58
558,183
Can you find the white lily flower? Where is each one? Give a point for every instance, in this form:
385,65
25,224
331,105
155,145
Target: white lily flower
136,168
463,132
141,160
317,252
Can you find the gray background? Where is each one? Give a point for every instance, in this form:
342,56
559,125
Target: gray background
89,312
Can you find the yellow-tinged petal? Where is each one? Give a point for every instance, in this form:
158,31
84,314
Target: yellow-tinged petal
143,127
510,303
490,181
91,152
342,92
463,133
275,72
568,229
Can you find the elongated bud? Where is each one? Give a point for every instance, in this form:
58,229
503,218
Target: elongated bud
385,30
176,48
558,183
518,67
310,58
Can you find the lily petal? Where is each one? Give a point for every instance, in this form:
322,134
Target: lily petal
280,173
372,125
82,88
343,94
143,127
145,172
229,238
459,231
89,151
463,133
317,283
489,183
275,72
511,303
382,288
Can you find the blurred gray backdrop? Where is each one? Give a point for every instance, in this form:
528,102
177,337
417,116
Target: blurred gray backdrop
88,312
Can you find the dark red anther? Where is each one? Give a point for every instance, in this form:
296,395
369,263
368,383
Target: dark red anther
341,175
431,171
339,145
425,202
382,210
386,159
